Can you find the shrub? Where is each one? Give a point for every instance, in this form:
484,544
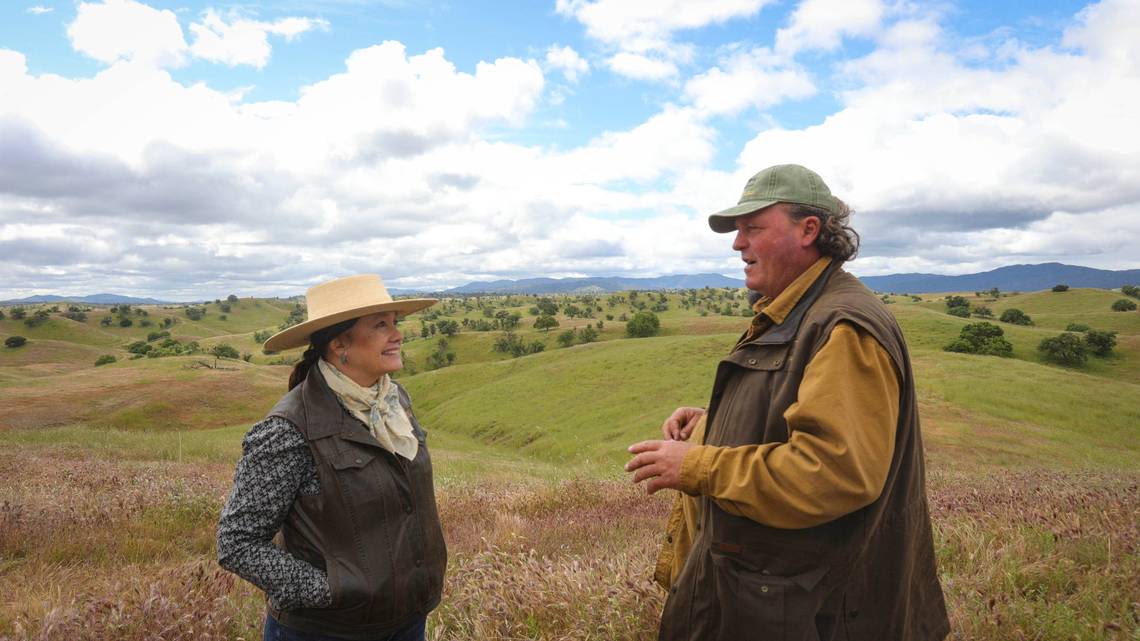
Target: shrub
105,359
981,311
153,336
75,315
545,322
1060,288
448,327
1076,327
223,350
566,338
981,338
961,312
139,347
589,334
19,313
262,335
1130,290
643,324
105,321
195,313
1066,349
1123,305
15,341
225,307
39,318
232,298
1100,343
1015,316
125,322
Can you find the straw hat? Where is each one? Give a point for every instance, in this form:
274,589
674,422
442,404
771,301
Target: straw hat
339,300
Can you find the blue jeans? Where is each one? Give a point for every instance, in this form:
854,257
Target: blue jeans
274,631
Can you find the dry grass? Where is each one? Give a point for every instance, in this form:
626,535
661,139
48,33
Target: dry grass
99,549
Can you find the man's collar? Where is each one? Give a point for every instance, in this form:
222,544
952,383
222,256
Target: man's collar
777,309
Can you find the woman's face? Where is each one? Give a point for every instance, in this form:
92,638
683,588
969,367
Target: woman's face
372,347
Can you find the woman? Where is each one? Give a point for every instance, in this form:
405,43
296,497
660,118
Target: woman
339,466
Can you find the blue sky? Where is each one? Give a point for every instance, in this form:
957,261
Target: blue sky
182,149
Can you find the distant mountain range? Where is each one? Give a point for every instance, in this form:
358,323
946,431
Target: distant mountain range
93,299
594,284
1012,278
1023,278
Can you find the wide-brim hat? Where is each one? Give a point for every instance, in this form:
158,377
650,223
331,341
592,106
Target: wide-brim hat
776,184
340,300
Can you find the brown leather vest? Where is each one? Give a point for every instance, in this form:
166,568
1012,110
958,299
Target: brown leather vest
869,575
374,527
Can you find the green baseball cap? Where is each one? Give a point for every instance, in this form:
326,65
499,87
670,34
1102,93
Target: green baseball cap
776,184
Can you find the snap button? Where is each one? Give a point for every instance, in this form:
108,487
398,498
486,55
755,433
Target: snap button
359,461
752,361
669,538
419,562
777,363
764,588
765,572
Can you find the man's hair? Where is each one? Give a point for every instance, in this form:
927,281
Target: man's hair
836,238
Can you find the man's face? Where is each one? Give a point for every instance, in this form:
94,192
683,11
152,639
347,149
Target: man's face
775,249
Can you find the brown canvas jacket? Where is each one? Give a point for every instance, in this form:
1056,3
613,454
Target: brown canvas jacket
374,527
867,575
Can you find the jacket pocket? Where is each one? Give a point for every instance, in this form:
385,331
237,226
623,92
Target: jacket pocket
756,604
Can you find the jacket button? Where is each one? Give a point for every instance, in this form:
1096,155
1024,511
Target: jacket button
765,572
419,562
752,361
777,363
764,589
359,461
669,538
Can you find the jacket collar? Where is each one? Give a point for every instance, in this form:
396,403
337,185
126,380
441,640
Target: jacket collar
320,401
787,310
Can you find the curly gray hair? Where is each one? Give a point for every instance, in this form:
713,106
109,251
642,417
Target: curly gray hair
836,237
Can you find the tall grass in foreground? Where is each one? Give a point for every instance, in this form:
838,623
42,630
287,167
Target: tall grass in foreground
96,549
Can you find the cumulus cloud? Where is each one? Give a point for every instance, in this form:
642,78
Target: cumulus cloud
244,42
642,31
126,30
928,144
755,78
821,24
566,60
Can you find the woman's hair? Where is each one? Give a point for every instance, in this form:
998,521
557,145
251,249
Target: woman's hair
836,238
318,345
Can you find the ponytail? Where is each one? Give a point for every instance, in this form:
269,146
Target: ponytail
318,345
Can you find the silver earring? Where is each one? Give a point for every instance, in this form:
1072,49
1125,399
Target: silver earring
343,358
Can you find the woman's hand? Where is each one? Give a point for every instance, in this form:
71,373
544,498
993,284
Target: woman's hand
681,422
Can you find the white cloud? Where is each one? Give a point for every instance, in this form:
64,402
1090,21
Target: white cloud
821,24
641,67
127,30
641,31
754,78
242,41
38,10
566,60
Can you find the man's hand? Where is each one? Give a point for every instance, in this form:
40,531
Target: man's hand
659,461
681,422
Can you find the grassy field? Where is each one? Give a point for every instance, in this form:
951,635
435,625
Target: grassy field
111,477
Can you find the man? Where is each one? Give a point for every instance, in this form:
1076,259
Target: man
803,514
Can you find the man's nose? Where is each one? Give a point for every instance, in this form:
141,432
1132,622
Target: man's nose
739,243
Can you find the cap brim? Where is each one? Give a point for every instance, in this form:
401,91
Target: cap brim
725,221
298,335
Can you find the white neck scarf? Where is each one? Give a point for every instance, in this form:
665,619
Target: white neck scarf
378,407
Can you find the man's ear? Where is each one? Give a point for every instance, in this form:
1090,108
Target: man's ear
811,227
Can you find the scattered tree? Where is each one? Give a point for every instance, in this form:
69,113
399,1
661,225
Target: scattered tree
19,313
232,298
1130,290
125,322
1066,349
223,350
1015,316
566,338
1076,327
545,322
1060,288
981,338
447,327
1123,305
15,341
958,306
981,311
1100,343
589,334
643,324
105,359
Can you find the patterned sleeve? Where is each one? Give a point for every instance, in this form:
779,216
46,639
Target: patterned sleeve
276,465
